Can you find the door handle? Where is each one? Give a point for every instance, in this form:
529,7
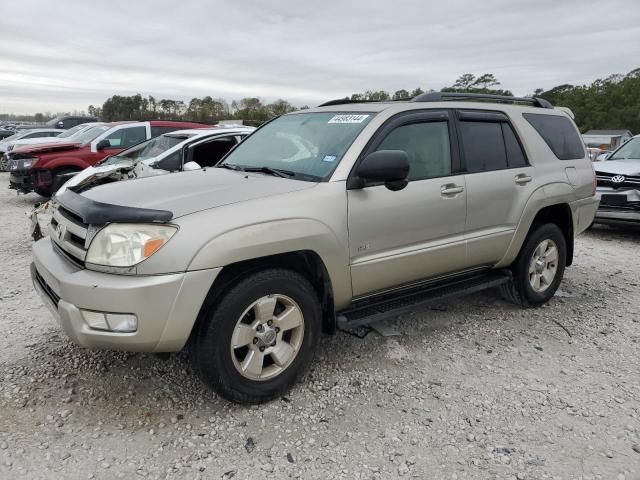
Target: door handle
523,178
451,189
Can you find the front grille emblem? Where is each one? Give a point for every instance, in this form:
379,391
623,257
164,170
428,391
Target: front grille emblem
60,231
617,179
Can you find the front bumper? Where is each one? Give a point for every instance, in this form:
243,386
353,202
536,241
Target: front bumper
21,181
618,206
166,306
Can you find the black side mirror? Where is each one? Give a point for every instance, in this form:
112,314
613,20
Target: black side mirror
102,144
388,166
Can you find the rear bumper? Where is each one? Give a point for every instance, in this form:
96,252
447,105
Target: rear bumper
166,306
583,212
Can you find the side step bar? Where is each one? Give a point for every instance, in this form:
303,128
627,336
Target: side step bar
374,309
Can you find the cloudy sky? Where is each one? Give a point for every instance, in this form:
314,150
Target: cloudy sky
61,56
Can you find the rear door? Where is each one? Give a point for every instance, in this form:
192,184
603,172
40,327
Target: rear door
399,237
499,182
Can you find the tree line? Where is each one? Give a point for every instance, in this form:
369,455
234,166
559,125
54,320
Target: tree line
609,103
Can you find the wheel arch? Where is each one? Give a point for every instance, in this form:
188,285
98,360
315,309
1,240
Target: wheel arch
546,205
305,262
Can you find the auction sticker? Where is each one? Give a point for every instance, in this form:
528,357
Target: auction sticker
348,118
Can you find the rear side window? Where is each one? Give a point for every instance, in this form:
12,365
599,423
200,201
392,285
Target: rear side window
157,131
515,155
483,146
489,146
559,134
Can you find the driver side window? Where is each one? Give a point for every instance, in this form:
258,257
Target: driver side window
427,146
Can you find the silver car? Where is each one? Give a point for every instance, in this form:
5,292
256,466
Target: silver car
618,176
326,218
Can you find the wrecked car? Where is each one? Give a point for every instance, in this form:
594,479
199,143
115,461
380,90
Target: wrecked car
176,151
618,177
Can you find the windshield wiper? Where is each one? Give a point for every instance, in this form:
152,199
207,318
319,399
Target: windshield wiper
276,172
230,166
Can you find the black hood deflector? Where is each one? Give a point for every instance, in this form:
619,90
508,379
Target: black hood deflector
98,213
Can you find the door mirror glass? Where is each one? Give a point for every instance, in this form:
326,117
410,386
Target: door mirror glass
388,166
102,144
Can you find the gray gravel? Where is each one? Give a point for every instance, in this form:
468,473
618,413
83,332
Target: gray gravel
472,388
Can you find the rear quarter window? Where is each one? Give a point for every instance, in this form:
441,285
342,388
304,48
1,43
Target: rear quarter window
559,134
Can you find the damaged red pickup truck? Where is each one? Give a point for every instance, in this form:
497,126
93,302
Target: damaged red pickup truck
43,168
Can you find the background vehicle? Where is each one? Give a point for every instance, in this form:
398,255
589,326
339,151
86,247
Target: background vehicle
63,123
42,168
64,136
4,133
618,177
171,152
7,144
333,216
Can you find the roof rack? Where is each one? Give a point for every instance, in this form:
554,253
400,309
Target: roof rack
344,101
444,96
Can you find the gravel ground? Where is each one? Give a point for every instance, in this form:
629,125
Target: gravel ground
472,388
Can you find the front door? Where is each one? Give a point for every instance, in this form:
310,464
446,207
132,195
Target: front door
400,237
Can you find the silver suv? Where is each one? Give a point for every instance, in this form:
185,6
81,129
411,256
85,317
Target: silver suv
321,219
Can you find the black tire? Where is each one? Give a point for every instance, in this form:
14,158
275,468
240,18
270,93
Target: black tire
519,290
210,349
43,191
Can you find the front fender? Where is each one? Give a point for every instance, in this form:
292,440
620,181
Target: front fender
60,162
258,240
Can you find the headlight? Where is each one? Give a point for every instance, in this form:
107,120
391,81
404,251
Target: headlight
27,163
125,245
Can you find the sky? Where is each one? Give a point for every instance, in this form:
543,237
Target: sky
64,56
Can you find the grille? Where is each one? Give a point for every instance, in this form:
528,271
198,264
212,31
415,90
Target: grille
604,180
69,234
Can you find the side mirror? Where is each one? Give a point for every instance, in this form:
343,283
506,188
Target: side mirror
60,124
388,166
191,166
602,157
102,144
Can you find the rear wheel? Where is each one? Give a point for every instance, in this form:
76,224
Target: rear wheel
538,270
259,338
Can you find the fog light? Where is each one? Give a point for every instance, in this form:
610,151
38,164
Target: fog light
111,322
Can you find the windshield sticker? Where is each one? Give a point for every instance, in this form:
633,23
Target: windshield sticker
348,118
329,158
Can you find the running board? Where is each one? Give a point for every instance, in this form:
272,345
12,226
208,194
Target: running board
374,309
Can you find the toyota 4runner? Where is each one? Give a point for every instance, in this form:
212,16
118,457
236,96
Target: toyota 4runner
322,219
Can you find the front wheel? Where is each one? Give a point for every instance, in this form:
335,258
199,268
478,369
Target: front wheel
538,270
259,338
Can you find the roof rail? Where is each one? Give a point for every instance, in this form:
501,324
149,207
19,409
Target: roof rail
344,101
444,96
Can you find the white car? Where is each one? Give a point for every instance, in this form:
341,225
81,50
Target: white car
7,144
176,151
63,137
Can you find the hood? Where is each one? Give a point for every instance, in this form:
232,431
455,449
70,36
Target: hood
189,192
619,167
47,147
28,142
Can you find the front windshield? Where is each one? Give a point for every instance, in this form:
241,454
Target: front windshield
90,134
72,131
307,145
149,149
628,151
